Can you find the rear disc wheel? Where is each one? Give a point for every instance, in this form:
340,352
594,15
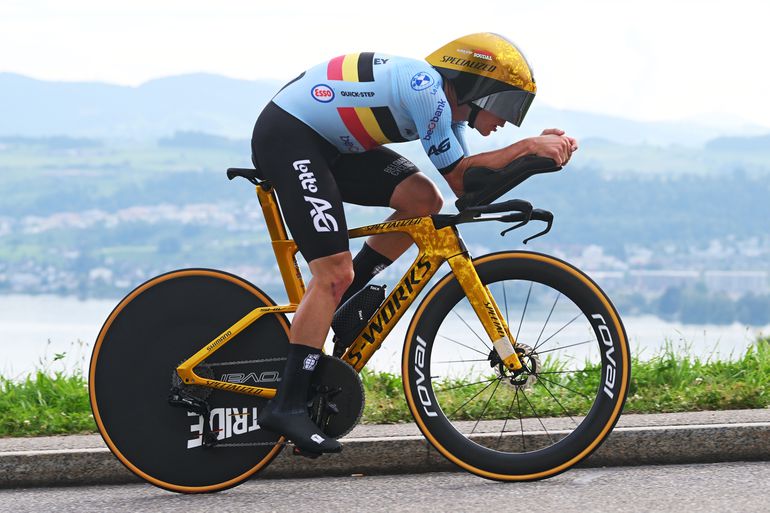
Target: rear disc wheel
156,327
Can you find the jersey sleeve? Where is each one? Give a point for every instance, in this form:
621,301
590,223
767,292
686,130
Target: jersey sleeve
459,131
424,98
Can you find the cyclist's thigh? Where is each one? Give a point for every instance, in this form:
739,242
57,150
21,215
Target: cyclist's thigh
295,159
370,178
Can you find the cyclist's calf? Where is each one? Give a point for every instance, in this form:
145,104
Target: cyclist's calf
333,274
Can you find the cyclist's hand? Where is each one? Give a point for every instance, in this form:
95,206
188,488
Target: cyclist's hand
559,131
553,146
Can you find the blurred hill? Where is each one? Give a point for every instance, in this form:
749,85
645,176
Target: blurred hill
228,107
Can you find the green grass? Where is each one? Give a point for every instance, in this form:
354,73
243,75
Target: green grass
47,403
670,381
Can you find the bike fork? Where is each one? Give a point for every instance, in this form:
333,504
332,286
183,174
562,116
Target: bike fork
486,309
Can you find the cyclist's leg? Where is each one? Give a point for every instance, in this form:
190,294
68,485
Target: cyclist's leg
416,196
382,177
294,158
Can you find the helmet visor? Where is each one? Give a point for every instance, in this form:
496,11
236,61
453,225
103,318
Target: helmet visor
512,106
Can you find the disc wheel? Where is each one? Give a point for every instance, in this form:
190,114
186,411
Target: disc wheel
540,420
151,331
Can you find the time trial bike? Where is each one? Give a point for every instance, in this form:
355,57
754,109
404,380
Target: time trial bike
515,364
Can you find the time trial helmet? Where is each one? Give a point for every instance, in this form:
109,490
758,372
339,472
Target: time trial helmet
488,72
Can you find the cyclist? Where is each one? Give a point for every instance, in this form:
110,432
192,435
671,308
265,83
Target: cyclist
320,142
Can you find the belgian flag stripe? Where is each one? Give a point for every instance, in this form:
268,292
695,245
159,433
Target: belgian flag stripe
350,68
371,125
356,128
334,68
387,124
366,67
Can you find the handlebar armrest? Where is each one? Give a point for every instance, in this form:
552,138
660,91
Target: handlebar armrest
484,185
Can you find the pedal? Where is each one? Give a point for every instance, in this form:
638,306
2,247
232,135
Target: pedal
180,399
307,454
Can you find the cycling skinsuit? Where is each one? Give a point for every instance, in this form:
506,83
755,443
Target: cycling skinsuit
319,141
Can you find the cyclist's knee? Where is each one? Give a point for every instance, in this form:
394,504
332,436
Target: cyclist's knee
426,201
435,204
417,196
333,273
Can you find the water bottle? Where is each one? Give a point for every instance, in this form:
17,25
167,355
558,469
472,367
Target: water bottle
350,318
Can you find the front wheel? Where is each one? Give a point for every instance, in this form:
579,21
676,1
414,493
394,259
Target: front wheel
536,422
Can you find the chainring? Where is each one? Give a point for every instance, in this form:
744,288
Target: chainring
337,397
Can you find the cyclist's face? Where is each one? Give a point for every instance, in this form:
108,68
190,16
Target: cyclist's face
486,122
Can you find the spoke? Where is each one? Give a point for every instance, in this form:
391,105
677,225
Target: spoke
536,415
466,385
464,345
469,327
568,371
521,422
559,330
507,418
474,397
521,321
557,401
565,347
547,319
485,407
566,388
462,361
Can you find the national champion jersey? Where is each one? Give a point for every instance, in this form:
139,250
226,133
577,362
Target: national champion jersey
363,100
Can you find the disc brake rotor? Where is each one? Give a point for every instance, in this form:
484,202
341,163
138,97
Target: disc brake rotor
524,378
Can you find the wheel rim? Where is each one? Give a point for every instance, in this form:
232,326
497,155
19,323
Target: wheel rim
551,395
123,442
563,446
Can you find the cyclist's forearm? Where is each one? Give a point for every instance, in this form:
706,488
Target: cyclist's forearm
497,159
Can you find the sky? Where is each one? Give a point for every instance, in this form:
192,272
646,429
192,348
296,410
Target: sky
645,60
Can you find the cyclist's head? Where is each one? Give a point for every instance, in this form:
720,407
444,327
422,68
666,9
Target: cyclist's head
487,72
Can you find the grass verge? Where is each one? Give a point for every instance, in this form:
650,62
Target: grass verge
670,381
48,403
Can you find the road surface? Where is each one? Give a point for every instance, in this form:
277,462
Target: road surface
734,487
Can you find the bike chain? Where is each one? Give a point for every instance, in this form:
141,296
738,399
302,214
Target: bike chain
249,444
242,362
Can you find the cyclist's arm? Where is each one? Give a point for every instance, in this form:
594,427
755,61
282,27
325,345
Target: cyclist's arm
556,147
429,108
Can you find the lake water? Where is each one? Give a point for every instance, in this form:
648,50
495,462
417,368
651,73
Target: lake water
33,329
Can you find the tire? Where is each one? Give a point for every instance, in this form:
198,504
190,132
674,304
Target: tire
151,331
539,423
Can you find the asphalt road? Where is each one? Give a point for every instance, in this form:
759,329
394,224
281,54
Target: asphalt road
734,487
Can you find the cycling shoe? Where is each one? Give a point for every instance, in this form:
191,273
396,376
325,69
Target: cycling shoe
297,427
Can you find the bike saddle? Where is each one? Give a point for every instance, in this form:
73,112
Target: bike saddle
484,185
252,175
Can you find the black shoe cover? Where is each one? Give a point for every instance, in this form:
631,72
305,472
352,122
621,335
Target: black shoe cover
297,427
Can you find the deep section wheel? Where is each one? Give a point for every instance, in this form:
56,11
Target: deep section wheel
132,375
540,420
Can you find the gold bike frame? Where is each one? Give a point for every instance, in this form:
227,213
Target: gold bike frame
435,246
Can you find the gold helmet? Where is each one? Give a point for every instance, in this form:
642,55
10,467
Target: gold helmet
488,72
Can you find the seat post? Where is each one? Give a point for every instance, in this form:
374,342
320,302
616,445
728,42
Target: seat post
284,248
